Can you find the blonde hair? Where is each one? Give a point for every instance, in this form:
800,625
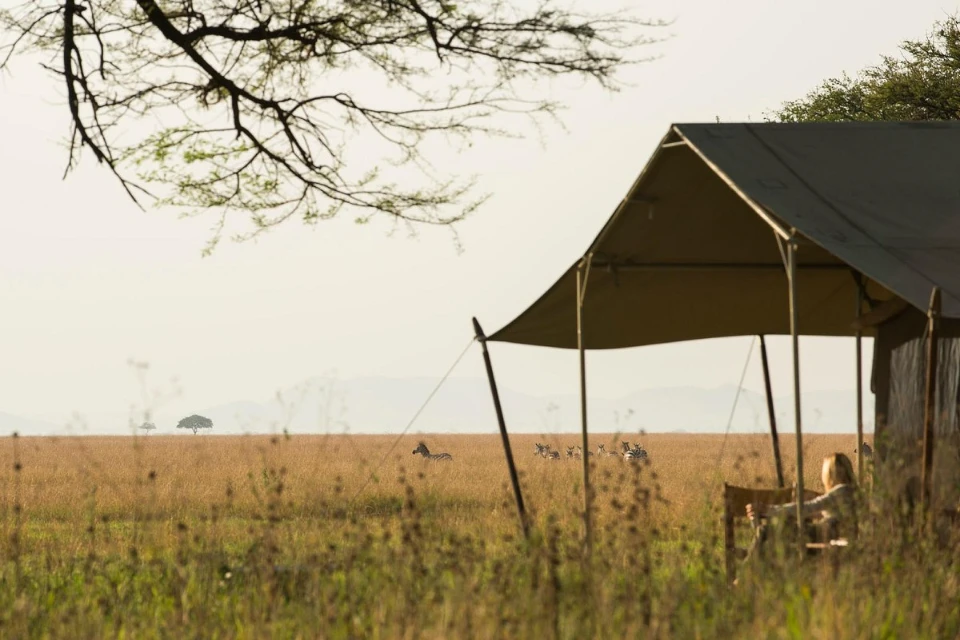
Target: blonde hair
837,469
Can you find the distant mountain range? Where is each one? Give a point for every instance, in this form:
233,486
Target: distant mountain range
10,423
463,405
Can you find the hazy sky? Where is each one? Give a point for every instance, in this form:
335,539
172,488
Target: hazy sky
89,281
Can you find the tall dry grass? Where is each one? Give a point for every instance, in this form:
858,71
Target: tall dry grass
311,536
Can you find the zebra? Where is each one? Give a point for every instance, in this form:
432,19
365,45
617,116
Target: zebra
544,451
637,452
602,451
866,451
422,450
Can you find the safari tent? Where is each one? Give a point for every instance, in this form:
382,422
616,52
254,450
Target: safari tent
814,229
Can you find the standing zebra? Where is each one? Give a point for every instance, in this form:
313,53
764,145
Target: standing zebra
422,450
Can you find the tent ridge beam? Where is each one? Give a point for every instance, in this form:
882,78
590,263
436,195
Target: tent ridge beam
759,209
598,242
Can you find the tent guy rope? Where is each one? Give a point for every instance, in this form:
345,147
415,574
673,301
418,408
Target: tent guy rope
736,399
413,419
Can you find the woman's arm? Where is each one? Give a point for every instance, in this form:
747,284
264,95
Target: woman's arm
828,501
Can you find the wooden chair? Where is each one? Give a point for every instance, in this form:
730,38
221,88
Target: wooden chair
735,501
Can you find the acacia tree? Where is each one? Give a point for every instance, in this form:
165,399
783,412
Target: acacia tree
263,100
921,84
195,423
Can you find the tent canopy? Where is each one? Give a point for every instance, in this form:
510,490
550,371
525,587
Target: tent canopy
695,249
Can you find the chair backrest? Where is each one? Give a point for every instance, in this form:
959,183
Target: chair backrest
735,501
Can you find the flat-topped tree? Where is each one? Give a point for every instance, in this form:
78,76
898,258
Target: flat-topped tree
195,423
147,426
265,105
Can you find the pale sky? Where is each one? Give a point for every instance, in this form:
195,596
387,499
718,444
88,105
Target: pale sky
90,281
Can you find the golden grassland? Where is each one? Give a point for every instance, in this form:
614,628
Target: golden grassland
177,477
353,536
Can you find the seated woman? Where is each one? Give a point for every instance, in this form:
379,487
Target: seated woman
836,507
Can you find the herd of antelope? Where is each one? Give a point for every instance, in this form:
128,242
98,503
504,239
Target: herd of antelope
635,452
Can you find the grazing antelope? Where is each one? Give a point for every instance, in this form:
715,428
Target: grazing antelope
867,452
544,451
602,451
580,452
572,453
422,450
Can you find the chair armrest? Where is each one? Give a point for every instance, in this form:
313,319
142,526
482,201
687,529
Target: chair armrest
839,542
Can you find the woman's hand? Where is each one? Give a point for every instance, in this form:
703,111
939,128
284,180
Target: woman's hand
754,512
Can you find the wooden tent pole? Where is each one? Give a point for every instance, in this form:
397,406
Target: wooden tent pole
930,396
588,538
859,336
794,337
774,436
514,479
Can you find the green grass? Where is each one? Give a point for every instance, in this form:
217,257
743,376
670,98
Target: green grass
277,548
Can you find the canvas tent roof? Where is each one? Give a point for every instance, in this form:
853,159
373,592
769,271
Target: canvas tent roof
692,251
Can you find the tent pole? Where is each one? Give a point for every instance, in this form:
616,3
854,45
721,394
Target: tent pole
774,436
794,337
930,396
588,540
859,335
514,480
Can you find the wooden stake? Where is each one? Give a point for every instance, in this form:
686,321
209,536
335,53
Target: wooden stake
859,335
514,479
795,338
587,532
774,436
930,396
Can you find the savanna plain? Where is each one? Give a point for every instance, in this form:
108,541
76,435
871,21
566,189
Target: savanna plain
352,536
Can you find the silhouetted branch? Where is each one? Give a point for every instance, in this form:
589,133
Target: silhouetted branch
253,122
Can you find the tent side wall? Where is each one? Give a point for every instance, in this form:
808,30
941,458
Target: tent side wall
898,382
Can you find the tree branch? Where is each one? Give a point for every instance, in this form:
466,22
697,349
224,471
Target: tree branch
245,128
